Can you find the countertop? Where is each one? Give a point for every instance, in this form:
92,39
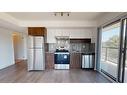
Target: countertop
88,53
49,52
83,53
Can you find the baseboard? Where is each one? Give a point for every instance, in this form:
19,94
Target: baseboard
6,66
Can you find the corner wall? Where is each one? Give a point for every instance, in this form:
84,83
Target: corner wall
6,48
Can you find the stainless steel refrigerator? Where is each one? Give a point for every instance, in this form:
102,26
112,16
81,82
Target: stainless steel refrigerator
36,55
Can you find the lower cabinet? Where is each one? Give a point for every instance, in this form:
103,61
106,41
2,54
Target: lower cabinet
49,61
75,60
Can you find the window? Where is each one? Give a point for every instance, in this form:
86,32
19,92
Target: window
110,49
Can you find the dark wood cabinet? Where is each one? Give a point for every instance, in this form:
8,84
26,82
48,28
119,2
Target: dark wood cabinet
49,60
37,31
75,60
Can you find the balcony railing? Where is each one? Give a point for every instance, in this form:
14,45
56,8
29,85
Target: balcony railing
110,54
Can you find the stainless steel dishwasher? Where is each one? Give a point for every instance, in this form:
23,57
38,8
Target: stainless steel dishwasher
87,61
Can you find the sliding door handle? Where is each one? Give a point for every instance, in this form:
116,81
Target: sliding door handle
123,50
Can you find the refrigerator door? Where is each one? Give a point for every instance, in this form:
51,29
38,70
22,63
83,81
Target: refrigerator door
35,42
30,42
30,59
39,60
38,42
36,58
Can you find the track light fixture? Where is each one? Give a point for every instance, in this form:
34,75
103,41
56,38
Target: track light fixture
61,13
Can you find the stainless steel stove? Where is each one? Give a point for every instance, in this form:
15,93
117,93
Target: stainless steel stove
62,59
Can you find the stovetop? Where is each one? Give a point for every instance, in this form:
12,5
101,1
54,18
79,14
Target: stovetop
57,50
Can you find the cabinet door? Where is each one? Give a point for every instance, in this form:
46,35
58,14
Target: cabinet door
36,31
52,33
65,33
49,60
81,33
51,36
75,60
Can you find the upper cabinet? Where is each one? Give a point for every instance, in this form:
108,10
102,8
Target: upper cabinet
81,33
73,33
37,31
52,33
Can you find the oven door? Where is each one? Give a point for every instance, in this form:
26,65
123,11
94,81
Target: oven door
62,58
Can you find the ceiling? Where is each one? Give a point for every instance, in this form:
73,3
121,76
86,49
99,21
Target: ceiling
50,16
18,21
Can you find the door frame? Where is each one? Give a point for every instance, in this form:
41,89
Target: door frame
121,51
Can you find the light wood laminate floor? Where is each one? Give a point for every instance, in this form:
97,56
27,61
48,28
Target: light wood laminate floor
18,74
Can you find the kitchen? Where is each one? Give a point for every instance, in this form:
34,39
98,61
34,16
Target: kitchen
57,44
63,52
75,45
70,43
63,47
72,47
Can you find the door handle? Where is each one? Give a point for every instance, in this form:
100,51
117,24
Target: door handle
122,50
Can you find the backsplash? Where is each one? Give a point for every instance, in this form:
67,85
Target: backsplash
51,47
75,47
82,47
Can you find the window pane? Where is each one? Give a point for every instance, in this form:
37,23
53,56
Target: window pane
110,49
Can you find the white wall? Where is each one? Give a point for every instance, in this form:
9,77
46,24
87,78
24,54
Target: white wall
20,49
72,33
55,23
6,48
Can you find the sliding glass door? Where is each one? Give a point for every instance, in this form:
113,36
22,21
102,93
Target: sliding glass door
110,42
113,60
